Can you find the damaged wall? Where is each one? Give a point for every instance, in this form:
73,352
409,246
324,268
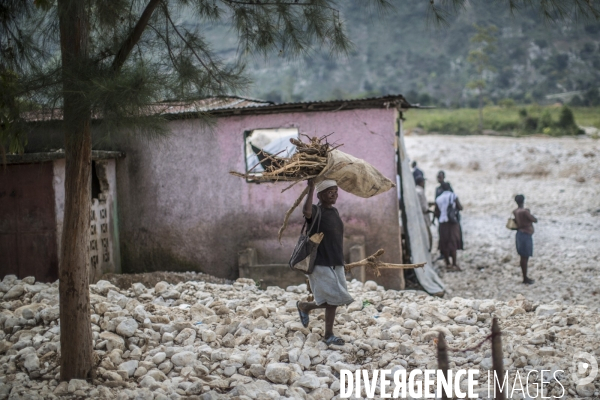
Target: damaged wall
180,209
105,256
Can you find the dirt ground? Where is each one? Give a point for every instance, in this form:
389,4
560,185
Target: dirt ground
560,178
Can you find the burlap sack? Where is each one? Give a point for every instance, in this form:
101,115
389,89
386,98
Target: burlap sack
354,175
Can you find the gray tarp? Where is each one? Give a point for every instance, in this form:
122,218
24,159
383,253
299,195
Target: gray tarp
416,230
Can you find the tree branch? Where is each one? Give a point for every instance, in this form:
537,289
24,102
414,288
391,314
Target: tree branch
135,35
210,72
249,3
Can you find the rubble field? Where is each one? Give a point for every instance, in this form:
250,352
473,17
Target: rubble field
560,178
199,340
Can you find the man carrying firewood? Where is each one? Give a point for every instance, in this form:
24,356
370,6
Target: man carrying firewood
328,280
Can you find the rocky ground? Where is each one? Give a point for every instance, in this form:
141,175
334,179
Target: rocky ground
211,341
560,178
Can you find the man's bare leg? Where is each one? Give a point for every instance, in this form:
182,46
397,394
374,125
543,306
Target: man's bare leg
526,280
329,320
454,263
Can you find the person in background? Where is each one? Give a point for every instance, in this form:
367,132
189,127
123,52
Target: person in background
328,280
441,178
416,171
420,181
524,238
449,227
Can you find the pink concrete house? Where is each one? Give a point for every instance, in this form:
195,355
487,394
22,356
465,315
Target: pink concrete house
180,208
176,207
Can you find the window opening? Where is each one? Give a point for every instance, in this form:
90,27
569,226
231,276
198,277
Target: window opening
95,182
261,143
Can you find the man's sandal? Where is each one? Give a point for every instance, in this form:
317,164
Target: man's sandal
303,315
334,340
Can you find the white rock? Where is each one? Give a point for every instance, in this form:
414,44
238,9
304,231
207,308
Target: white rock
186,336
127,328
138,288
410,324
14,292
304,360
113,341
159,357
129,367
170,294
355,306
370,286
195,389
184,358
77,384
322,394
278,373
465,319
161,287
147,381
50,314
487,306
260,311
537,338
411,312
103,287
32,362
308,381
208,336
548,309
117,298
486,363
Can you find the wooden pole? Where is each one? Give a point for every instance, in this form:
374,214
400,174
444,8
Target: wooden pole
497,362
442,355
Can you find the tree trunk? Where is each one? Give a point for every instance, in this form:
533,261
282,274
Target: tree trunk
480,110
75,324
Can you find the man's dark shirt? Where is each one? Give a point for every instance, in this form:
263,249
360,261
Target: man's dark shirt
331,250
417,173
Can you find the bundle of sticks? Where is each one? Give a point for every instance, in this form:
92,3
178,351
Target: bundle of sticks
374,264
307,162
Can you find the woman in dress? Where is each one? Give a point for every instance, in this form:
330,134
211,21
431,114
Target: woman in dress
328,280
449,226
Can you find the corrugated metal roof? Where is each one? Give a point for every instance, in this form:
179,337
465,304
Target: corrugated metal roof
234,105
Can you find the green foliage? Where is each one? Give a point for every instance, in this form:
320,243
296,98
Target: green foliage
12,129
507,103
527,120
545,121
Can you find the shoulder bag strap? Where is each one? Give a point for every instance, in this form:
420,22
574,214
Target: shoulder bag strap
313,217
319,212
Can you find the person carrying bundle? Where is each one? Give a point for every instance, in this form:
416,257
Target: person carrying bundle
328,280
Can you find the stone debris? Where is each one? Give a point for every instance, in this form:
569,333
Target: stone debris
219,341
